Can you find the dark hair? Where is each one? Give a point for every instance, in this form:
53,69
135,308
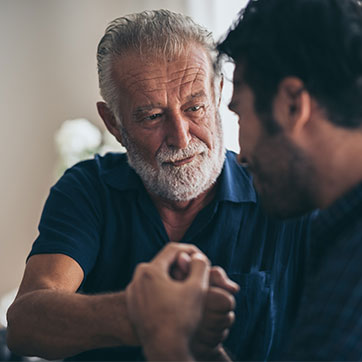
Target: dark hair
318,41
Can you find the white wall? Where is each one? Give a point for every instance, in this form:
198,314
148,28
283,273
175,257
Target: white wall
218,15
48,75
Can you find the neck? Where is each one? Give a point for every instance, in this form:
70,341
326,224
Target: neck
177,216
340,164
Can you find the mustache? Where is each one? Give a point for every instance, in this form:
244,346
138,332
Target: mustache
170,154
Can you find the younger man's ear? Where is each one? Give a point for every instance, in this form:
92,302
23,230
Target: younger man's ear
109,120
292,105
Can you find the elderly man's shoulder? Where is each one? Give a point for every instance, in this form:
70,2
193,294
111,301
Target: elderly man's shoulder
100,164
107,161
107,170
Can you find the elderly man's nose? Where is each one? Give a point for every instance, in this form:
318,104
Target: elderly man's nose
178,134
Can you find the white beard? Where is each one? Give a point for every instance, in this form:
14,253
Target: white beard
179,183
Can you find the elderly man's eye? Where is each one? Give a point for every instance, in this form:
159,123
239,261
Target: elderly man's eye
194,108
152,117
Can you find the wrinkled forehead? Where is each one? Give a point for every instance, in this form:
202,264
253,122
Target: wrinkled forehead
150,71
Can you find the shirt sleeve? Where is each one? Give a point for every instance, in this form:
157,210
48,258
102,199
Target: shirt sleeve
329,322
71,220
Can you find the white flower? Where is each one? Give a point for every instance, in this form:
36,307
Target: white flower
77,136
79,139
76,140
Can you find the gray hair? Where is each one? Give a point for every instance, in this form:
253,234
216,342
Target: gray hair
162,32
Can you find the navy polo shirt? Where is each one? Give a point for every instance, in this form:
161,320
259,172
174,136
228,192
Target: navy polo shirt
100,214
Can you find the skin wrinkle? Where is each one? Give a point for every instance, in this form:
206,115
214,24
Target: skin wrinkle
131,75
183,79
201,94
160,89
142,109
191,75
198,76
184,82
186,72
134,85
172,91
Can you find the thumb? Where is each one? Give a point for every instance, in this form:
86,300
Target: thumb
181,267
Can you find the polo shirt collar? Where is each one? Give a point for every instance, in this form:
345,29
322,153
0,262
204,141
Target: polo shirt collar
121,176
234,183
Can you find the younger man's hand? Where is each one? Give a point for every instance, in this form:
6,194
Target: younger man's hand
166,312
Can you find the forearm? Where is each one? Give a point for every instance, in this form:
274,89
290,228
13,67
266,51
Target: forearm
54,325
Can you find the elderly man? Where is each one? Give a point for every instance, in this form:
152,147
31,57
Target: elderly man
297,91
106,215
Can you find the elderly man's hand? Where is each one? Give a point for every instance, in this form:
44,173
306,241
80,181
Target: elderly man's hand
217,318
166,312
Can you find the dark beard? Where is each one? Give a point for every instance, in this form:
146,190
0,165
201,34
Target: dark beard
286,181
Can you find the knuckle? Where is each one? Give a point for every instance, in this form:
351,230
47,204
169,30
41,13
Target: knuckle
218,277
225,334
232,302
203,258
217,271
143,270
141,267
230,318
172,245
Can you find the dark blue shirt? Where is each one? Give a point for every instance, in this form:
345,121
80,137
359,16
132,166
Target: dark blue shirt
329,323
100,214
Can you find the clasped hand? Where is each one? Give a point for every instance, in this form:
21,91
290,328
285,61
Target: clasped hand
180,306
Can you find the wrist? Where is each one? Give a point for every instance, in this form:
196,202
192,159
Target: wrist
127,331
167,348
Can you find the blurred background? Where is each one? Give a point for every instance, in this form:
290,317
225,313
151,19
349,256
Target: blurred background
48,76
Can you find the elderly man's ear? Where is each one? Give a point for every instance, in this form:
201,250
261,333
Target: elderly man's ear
109,120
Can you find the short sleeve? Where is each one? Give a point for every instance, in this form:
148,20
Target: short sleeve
71,220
